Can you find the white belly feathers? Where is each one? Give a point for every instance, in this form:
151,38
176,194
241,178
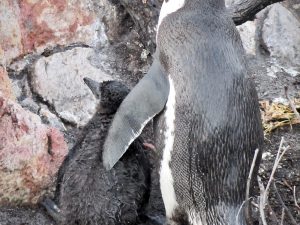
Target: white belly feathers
166,179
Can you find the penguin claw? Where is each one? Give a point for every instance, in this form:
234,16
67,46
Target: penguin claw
52,209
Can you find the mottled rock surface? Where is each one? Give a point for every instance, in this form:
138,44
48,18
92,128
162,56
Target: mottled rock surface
58,79
5,84
248,35
30,154
281,35
28,26
10,32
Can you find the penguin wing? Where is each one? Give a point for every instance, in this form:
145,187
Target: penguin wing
146,99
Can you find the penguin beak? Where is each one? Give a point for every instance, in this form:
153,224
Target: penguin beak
94,86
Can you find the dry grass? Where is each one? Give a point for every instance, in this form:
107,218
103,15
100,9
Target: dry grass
276,115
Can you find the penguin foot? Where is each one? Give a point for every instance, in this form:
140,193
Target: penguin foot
52,209
156,220
149,146
171,222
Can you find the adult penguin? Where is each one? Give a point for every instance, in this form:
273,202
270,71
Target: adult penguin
206,111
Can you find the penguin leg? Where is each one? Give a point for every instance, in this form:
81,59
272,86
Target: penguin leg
145,100
179,217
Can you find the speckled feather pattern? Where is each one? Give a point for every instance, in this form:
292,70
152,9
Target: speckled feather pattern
217,126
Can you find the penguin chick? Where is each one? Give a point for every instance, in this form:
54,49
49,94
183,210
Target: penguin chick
86,192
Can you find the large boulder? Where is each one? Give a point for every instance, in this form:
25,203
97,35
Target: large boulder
58,79
280,34
248,35
30,154
30,25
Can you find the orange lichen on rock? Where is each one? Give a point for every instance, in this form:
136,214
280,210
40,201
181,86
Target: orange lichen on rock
5,84
28,26
30,154
44,22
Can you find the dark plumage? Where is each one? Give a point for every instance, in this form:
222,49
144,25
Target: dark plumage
86,192
206,112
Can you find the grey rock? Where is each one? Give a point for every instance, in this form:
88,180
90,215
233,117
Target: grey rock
248,35
33,27
293,6
280,34
29,104
50,118
58,79
20,88
30,155
228,3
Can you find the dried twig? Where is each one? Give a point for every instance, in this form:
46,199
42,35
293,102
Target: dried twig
276,163
287,184
293,221
239,211
295,199
261,201
247,200
282,217
264,192
255,205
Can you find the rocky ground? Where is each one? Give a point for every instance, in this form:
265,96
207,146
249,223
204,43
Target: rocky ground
47,47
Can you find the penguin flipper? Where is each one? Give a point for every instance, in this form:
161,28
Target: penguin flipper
146,99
